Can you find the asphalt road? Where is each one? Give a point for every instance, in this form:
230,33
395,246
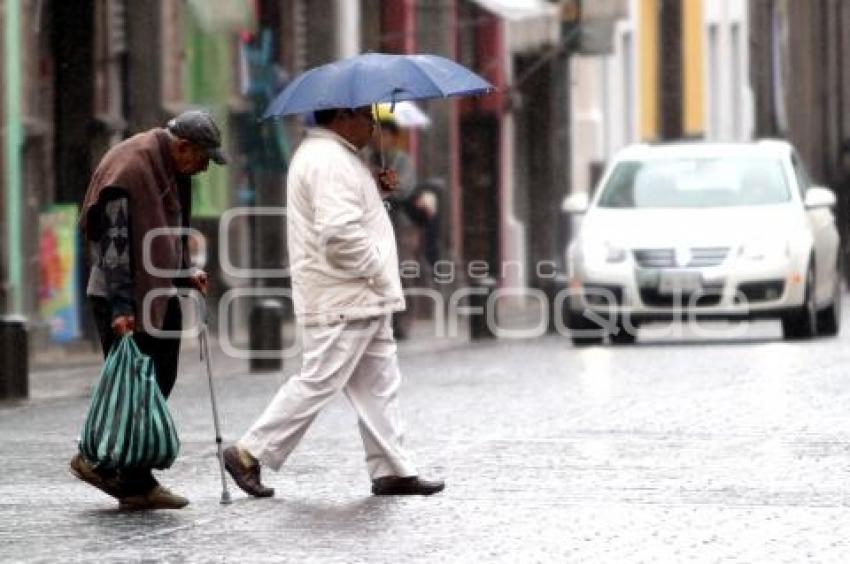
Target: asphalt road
677,449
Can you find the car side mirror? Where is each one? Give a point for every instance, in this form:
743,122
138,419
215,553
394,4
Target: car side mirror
576,203
820,197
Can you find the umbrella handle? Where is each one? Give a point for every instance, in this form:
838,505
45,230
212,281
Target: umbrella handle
380,137
380,130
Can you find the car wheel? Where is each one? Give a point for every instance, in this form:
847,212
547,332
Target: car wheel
583,331
829,319
802,323
624,334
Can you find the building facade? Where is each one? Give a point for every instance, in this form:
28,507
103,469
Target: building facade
79,77
800,73
672,70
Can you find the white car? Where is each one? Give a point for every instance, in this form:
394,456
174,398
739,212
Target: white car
698,230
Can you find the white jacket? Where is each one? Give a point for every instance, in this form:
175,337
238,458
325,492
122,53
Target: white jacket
342,249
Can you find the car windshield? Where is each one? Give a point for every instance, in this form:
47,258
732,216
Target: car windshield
695,183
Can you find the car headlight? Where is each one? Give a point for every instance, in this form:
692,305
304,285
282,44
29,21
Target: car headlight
606,251
764,250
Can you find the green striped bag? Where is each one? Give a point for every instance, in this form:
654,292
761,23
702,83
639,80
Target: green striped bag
128,424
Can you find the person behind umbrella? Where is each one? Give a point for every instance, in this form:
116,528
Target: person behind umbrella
143,184
386,150
345,287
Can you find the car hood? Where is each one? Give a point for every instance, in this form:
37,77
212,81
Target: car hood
704,227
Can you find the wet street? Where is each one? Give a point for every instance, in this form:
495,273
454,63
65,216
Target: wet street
676,449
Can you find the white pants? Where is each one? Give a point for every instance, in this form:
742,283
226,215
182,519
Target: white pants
358,357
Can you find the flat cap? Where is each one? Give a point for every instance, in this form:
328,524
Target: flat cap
199,127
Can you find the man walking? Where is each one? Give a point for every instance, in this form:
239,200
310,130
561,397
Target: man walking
345,286
141,185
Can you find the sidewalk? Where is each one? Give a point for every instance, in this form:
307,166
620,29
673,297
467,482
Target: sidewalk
72,371
72,374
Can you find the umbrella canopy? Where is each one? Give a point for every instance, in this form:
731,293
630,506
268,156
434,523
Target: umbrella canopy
404,114
374,78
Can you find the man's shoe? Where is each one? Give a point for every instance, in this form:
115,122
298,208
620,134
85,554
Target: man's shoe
410,485
82,469
246,477
158,497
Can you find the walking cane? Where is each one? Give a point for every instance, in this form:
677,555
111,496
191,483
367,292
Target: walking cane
205,358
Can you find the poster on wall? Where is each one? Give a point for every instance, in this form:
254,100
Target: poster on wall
57,289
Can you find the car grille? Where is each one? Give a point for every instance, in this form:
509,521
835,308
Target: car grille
708,256
709,296
698,257
655,258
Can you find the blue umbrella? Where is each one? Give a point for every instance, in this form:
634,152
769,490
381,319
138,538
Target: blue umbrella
372,78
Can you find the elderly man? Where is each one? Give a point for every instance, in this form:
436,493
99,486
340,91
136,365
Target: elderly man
144,184
345,286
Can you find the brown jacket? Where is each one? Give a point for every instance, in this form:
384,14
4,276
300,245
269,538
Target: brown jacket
158,196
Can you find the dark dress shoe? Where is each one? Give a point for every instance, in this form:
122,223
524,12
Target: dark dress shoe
246,477
410,485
